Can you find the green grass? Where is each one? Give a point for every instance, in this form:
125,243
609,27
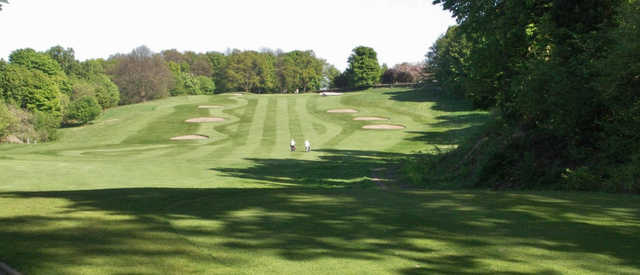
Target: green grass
117,197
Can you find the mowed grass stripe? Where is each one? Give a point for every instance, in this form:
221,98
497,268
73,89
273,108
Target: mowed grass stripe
162,129
241,135
330,125
233,114
283,134
311,108
345,121
255,126
294,121
269,127
306,119
237,131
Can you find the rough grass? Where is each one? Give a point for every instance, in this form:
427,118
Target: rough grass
117,197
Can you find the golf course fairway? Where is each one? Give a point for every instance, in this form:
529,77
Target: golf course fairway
119,196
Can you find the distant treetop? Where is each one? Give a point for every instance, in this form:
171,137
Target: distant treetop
3,1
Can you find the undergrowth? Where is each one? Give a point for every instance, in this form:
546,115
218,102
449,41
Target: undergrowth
500,156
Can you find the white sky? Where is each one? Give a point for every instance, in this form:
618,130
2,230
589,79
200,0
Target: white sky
399,30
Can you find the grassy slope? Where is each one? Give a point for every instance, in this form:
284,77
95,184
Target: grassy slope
118,197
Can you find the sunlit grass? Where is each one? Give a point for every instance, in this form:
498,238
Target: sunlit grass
117,197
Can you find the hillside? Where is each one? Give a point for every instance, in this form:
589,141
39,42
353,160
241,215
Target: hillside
119,197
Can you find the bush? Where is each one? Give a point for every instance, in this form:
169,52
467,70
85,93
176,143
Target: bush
30,89
98,86
46,126
207,86
107,93
6,119
26,126
82,111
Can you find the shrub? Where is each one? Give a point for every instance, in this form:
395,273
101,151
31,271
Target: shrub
82,111
98,86
6,119
30,89
207,86
46,126
26,126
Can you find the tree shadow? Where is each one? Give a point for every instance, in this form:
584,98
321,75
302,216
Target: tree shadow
463,126
457,121
333,168
431,232
440,99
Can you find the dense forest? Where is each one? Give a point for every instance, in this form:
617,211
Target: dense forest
42,91
563,81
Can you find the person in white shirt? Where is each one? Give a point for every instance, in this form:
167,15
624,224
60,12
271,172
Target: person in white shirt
293,145
307,146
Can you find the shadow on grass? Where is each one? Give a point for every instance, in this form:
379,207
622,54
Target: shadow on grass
461,127
442,101
334,168
397,231
450,129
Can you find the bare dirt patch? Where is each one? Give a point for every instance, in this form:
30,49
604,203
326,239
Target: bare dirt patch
369,118
342,111
190,137
204,119
383,127
209,106
330,93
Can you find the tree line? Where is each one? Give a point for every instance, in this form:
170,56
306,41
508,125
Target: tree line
564,79
41,91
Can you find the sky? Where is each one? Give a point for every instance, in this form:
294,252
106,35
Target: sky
398,30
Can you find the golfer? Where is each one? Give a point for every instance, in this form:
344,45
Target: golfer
293,145
307,146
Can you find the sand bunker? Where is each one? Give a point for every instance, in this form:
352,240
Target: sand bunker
369,118
204,119
330,93
209,106
383,127
190,137
236,94
342,111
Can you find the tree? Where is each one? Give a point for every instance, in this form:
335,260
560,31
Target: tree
82,111
66,59
363,70
98,86
90,68
562,76
403,73
33,60
329,73
288,73
183,82
249,71
448,61
141,76
341,80
218,63
3,1
200,66
30,89
207,86
310,70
